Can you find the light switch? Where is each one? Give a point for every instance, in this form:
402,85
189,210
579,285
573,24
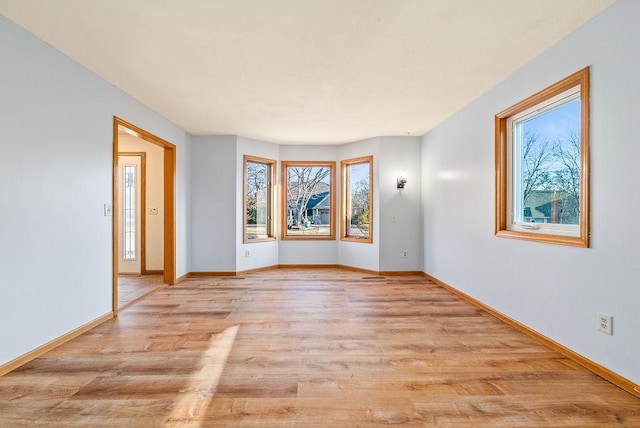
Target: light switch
107,210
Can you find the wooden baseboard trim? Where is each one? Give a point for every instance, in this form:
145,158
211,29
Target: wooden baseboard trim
180,278
357,269
400,273
200,274
153,272
309,266
256,270
596,368
328,266
204,274
32,355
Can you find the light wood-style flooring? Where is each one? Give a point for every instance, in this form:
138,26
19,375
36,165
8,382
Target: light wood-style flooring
295,347
134,287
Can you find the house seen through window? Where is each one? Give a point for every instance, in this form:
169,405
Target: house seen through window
542,153
546,146
308,201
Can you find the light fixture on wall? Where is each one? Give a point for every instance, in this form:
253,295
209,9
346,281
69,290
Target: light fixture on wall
402,180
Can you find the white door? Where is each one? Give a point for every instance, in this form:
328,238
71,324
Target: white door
129,215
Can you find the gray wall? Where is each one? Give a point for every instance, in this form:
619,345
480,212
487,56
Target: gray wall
556,290
397,154
216,205
55,175
311,252
213,203
357,254
262,253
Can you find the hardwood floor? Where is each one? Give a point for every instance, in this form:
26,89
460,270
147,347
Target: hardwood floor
322,347
134,287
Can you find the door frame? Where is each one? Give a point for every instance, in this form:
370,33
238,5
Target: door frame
169,203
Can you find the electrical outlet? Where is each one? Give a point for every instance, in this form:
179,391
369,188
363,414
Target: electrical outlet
247,253
405,254
605,323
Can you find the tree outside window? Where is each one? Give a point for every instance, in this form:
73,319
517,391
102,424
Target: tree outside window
356,199
258,199
542,165
308,200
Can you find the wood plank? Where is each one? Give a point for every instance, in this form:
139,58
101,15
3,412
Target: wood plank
312,347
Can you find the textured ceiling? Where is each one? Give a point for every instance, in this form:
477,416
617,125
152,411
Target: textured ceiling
303,71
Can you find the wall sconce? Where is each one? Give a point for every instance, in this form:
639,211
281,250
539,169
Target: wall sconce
402,180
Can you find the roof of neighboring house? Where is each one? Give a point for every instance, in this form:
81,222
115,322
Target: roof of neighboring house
539,202
319,201
318,188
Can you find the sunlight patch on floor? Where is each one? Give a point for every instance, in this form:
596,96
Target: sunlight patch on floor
192,406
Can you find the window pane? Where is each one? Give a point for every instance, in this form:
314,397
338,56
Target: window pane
129,207
258,200
357,199
548,150
542,165
309,200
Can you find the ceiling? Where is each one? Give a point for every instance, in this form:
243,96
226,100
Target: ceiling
303,71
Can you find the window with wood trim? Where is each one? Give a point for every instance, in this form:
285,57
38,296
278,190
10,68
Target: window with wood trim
542,165
130,216
308,200
356,207
259,179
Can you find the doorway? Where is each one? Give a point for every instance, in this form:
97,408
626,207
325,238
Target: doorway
135,222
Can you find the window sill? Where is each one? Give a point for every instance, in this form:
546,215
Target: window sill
574,241
360,240
307,238
255,241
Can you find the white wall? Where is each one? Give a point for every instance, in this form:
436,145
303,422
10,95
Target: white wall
213,203
56,119
311,252
556,290
262,254
154,197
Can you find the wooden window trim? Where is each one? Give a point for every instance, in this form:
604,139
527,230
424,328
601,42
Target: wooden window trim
344,201
501,162
283,208
271,234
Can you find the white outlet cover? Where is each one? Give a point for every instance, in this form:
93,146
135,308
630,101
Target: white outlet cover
605,323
